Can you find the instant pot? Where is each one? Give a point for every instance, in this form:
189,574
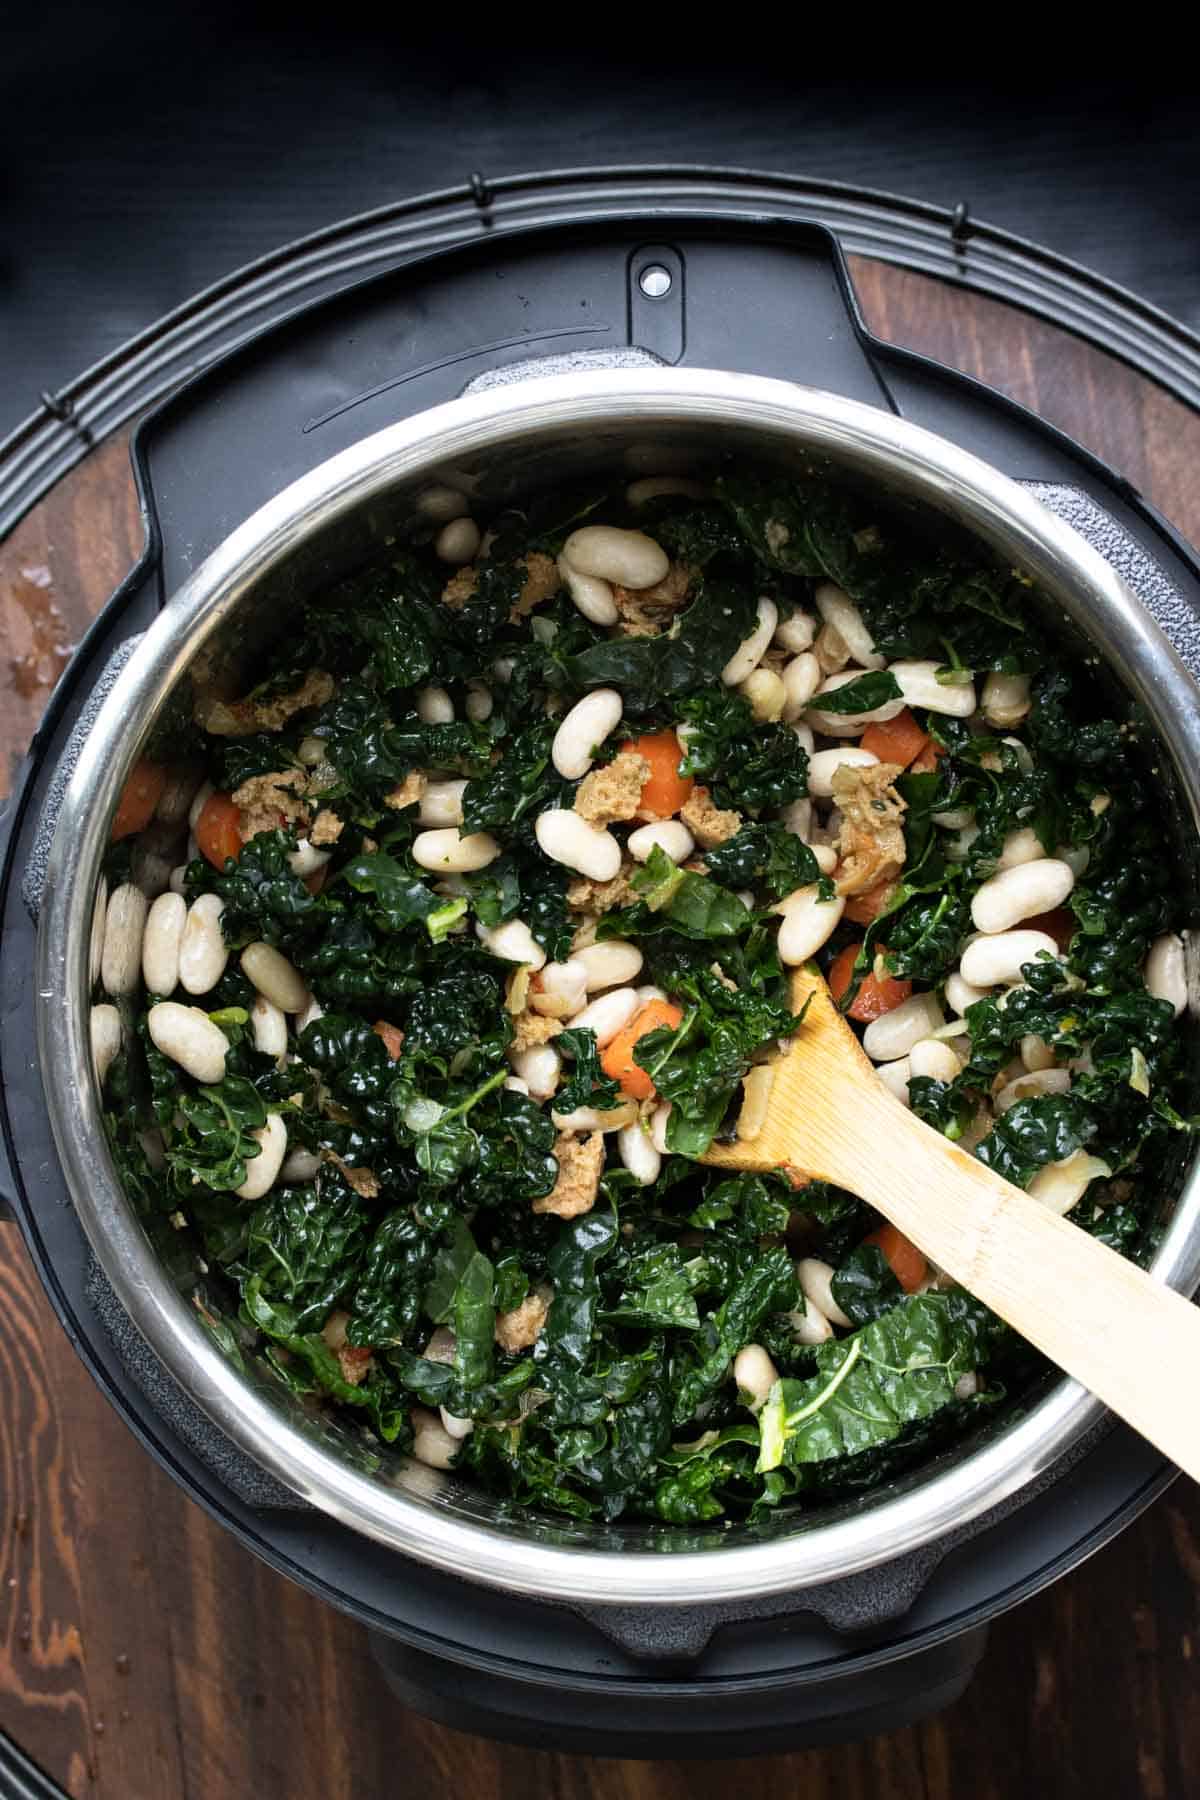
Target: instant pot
591,342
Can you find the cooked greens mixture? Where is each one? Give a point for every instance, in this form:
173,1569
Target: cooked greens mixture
443,938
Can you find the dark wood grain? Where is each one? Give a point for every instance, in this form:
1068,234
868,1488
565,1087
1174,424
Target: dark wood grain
144,1655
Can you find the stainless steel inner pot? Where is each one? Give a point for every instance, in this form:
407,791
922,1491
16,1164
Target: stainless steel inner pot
496,445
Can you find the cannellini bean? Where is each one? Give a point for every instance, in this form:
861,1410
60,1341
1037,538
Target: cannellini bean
637,1151
647,994
1029,1085
441,803
479,703
273,975
514,1085
188,1036
312,1012
755,1375
935,1058
838,609
593,598
959,847
954,818
269,1025
560,989
611,964
894,1076
808,921
434,706
458,541
654,487
801,679
816,1279
669,835
764,693
432,1443
513,941
1036,1052
659,1119
105,1029
1020,846
1005,700
804,736
825,856
589,1118
306,858
121,956
810,1326
822,765
1021,893
920,687
200,800
570,840
991,960
796,632
99,921
451,852
967,1386
1061,1185
442,503
896,1033
299,1166
607,1014
176,797
203,952
178,879
832,724
797,818
1165,972
152,859
752,649
1076,859
457,1428
262,1171
629,558
583,730
161,942
960,994
539,1068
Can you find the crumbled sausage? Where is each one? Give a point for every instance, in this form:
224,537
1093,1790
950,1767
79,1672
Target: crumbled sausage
647,611
530,1028
326,828
614,792
831,650
268,802
408,792
871,839
708,823
580,1161
365,1182
354,1360
588,896
239,718
518,1329
541,582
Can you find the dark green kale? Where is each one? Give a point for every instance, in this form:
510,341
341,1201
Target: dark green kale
767,856
746,764
646,671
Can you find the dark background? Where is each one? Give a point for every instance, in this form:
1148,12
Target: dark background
145,153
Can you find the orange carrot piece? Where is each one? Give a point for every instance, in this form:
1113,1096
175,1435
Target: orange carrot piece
874,997
665,790
899,740
617,1057
906,1262
219,830
140,795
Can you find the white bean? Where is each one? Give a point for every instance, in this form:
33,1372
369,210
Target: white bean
822,765
755,1375
478,704
1021,893
200,800
176,797
1036,1052
959,847
450,852
810,1326
152,859
607,1015
801,679
816,1278
826,857
441,502
894,1076
1020,846
312,1012
432,1443
312,752
458,541
1061,1185
514,1085
611,964
269,1025
1005,700
105,1030
583,730
1076,859
589,1118
896,1033
160,943
434,706
457,1428
560,989
808,922
804,736
121,957
299,1166
752,649
960,994
593,598
570,840
637,1151
203,952
796,632
991,960
659,1120
273,975
178,879
99,921
441,803
833,724
513,941
1165,973
653,487
629,558
765,694
838,609
954,818
306,858
262,1170
797,818
1028,1085
647,994
539,1068
935,1058
188,1036
669,835
920,687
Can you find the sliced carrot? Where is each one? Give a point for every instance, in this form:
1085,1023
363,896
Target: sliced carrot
874,997
139,797
899,740
617,1057
866,907
1061,925
906,1262
219,830
665,790
393,1037
926,763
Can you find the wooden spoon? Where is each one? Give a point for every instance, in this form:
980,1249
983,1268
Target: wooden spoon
1134,1342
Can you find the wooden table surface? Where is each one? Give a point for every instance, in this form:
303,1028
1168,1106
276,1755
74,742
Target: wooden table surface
145,1655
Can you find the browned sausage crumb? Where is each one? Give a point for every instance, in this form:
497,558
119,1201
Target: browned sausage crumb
530,1028
238,718
518,1329
326,828
580,1161
408,792
708,823
587,896
613,793
871,841
354,1360
542,581
647,611
365,1182
267,802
